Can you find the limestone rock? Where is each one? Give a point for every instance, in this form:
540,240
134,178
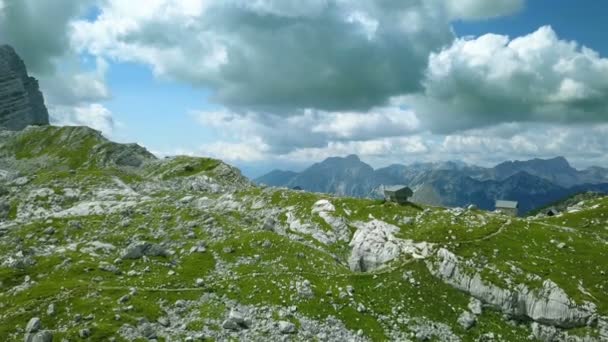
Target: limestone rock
475,306
236,321
138,249
21,102
4,211
304,289
374,244
42,336
287,327
549,306
323,206
467,320
33,325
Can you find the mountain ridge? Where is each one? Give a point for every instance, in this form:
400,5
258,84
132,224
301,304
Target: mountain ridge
553,177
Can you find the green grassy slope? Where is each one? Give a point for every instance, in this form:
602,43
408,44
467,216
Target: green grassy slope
215,234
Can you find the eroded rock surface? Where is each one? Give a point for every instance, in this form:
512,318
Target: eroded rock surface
21,102
548,305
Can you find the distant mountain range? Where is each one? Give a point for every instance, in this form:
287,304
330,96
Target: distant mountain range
533,183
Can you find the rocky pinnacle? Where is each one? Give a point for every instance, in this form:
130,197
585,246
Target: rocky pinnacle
21,102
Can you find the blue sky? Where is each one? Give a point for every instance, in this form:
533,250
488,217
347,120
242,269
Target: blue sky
572,20
283,84
156,112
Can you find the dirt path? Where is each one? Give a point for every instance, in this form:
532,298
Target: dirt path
500,230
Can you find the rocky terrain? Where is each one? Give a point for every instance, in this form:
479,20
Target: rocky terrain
21,102
534,183
104,242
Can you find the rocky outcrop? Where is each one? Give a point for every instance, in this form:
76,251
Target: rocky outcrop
549,305
374,245
21,102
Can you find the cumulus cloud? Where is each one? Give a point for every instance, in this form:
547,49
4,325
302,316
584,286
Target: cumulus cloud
304,80
475,9
494,79
383,150
378,150
93,115
243,151
71,86
276,55
310,128
38,30
582,144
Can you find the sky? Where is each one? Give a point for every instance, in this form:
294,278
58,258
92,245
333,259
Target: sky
265,84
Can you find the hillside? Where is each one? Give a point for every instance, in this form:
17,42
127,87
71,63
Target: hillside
102,241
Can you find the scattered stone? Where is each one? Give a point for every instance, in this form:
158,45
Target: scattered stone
147,330
42,336
33,325
467,320
269,224
200,248
84,333
323,206
136,250
50,310
235,321
287,327
304,289
163,321
475,306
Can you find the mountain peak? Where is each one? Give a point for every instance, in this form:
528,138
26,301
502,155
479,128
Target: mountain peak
559,161
21,102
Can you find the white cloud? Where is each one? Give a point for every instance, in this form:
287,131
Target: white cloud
581,144
388,121
476,9
93,115
493,79
312,135
71,86
247,151
306,80
383,149
276,56
38,30
310,128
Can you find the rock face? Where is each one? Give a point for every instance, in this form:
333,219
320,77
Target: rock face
21,102
549,305
374,245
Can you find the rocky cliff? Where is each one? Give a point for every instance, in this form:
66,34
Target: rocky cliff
21,102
